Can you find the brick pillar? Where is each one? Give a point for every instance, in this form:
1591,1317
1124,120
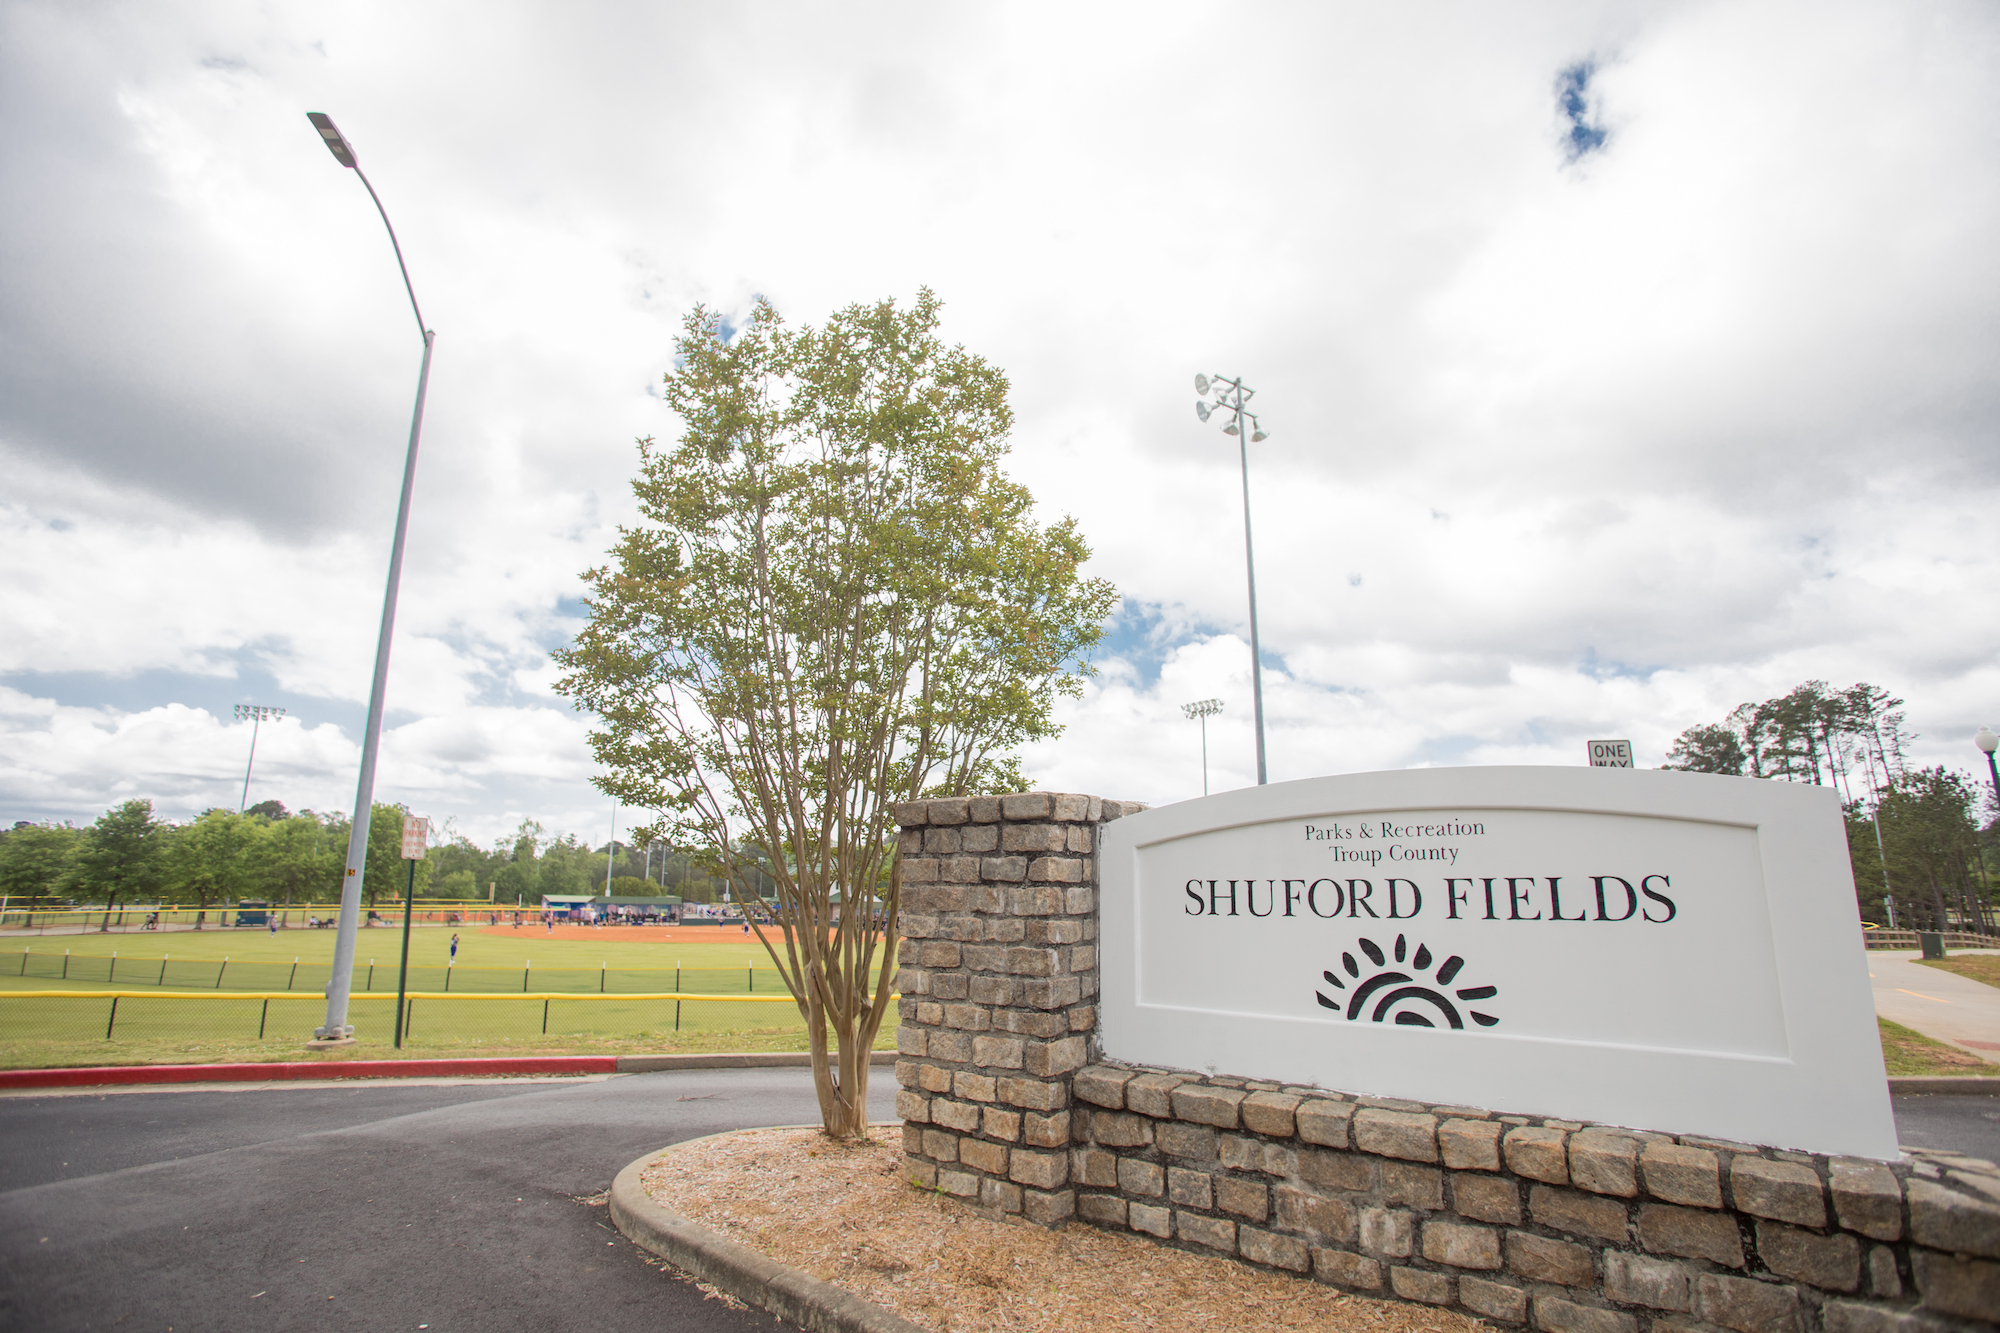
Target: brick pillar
999,987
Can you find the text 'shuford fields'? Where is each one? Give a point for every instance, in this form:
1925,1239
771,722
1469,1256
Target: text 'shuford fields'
1639,947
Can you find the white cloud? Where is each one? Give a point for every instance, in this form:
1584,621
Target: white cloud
1610,446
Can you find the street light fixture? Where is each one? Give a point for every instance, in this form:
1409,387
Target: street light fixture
336,1027
1231,399
1203,710
254,714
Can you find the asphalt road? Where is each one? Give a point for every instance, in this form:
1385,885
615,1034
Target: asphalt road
363,1206
461,1207
1962,1124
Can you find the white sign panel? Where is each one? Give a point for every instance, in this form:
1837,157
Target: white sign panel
1610,754
416,837
1661,950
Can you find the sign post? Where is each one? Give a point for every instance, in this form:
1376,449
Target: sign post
1611,754
416,839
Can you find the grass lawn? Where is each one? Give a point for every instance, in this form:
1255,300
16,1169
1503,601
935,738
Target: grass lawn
1983,967
1909,1054
255,959
52,1054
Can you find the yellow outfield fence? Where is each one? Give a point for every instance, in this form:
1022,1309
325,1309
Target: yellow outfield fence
428,1016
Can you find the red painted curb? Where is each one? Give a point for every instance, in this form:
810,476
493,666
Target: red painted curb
284,1069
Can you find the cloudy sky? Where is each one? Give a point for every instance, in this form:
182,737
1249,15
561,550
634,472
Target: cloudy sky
1620,362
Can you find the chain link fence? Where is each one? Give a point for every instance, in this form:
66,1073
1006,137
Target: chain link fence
79,1015
76,970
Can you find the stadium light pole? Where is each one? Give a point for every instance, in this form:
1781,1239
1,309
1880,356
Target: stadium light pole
1202,710
1231,398
336,1028
255,715
611,855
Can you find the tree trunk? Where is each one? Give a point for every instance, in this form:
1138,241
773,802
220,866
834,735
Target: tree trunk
109,903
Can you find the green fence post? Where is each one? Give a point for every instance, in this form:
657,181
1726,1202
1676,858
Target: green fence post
677,976
447,967
163,969
220,970
114,1018
24,960
403,967
112,974
545,1018
294,972
371,975
603,970
753,977
677,1015
262,1017
524,975
409,1017
65,974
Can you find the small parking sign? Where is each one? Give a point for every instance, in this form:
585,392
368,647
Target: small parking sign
416,836
1611,754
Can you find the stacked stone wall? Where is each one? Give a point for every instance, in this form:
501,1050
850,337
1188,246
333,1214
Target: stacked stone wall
1570,1227
1555,1224
999,992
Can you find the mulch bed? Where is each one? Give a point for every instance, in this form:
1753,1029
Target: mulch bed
844,1213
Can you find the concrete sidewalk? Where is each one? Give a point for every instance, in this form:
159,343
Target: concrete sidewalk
1939,1004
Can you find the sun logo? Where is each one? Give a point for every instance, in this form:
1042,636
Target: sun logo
1395,993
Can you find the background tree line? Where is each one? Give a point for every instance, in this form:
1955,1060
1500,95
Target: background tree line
1921,840
130,856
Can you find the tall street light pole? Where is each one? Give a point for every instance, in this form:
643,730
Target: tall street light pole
255,715
1231,399
1203,710
336,1028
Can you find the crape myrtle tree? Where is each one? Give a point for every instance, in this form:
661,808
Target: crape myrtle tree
836,601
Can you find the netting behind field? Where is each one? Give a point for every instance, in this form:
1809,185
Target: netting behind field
428,1017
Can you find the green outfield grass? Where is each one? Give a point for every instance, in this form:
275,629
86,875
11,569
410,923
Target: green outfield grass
255,959
37,1027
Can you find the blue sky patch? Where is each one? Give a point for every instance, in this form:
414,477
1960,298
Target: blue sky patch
1584,133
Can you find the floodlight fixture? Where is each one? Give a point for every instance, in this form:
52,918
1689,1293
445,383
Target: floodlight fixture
255,715
1202,710
1201,410
1201,386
